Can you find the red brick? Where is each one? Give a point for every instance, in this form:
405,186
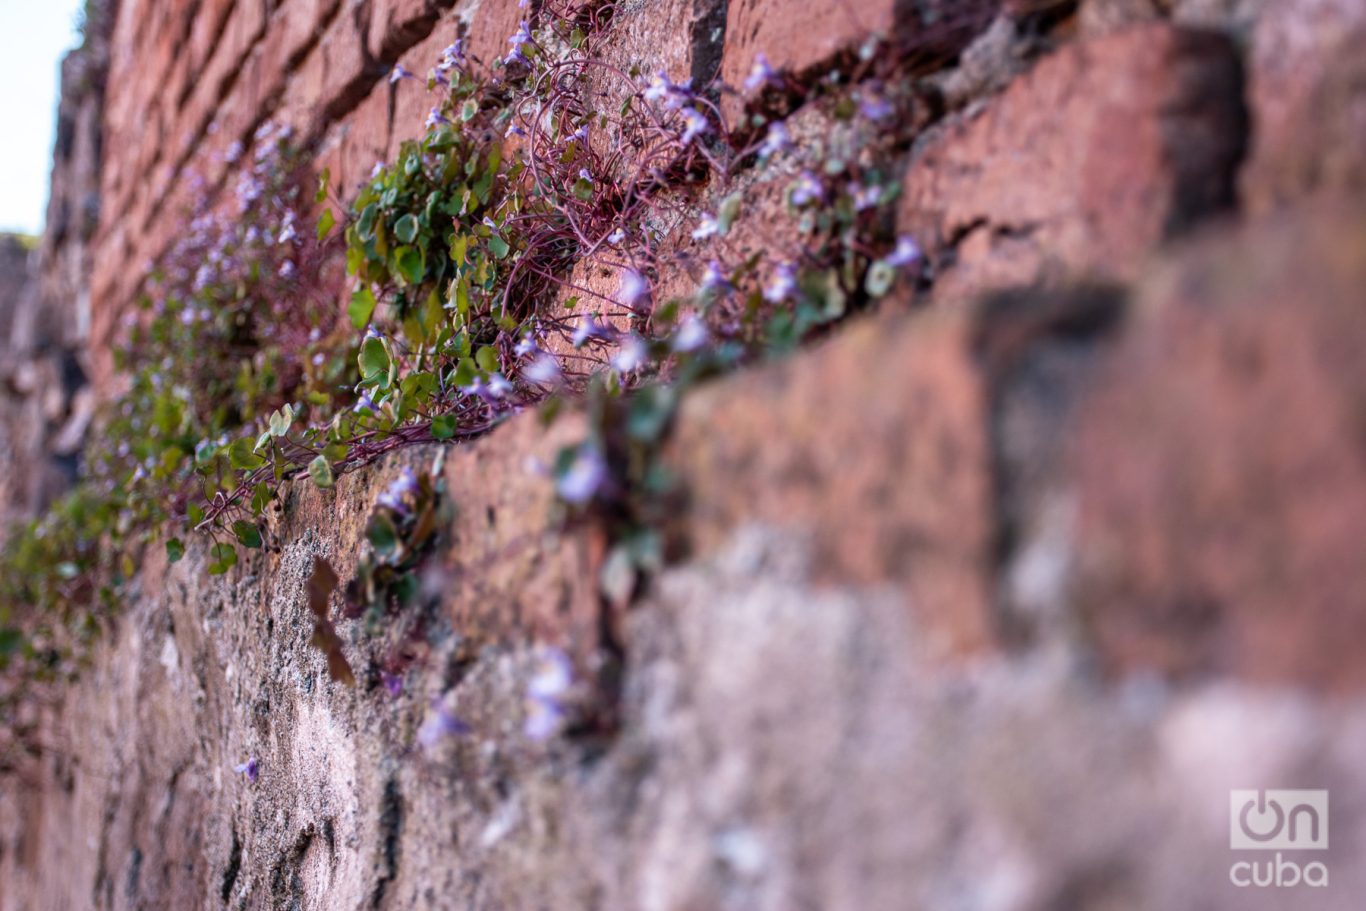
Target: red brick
364,142
412,100
396,25
1220,479
1083,165
1307,91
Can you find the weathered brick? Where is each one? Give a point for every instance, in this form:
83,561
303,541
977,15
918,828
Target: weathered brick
364,141
1307,92
411,100
913,510
397,25
1220,485
1084,164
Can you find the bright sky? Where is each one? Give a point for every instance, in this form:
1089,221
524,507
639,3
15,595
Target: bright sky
34,34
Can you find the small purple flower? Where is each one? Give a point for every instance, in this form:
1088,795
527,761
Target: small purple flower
435,118
251,769
865,197
761,74
673,95
783,283
714,280
633,354
691,336
906,253
287,269
514,130
546,694
526,345
393,683
777,140
544,371
398,72
587,329
440,724
397,495
521,36
807,189
365,403
498,385
616,236
583,478
706,227
633,288
874,106
695,125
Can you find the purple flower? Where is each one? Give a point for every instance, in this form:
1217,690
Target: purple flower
760,74
398,72
526,345
251,769
633,354
632,289
694,125
396,496
777,140
514,130
546,694
435,118
584,476
521,36
715,280
865,197
365,403
587,329
498,385
874,106
440,724
906,253
783,283
544,371
393,683
691,335
707,227
807,189
616,236
673,94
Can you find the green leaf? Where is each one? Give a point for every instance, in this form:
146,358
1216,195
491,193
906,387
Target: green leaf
382,533
879,279
247,533
326,222
459,244
443,426
323,180
10,641
224,557
583,189
260,499
320,470
487,359
242,457
174,550
728,212
406,228
373,360
468,110
498,246
362,307
365,225
410,264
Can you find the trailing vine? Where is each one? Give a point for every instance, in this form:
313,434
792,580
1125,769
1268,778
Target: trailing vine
463,308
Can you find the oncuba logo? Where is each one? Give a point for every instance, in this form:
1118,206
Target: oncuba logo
1278,820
